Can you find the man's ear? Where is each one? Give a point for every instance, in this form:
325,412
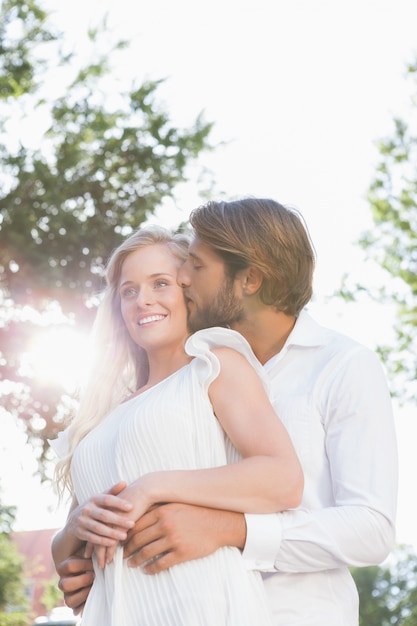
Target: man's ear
251,280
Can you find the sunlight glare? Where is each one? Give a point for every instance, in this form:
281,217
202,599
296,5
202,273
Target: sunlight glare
59,355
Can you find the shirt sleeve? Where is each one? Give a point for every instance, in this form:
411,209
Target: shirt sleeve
358,527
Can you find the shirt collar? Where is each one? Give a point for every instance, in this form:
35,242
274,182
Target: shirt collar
306,333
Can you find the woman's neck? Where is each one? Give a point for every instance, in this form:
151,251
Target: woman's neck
164,363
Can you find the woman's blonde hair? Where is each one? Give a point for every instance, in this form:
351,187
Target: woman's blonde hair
119,366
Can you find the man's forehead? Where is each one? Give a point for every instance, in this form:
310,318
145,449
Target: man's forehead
200,249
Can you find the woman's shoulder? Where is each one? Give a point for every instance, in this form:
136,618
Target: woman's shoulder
211,346
217,337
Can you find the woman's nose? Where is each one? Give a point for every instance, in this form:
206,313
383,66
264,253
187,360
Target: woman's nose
144,297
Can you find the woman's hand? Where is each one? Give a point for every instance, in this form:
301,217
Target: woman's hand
103,520
141,494
104,554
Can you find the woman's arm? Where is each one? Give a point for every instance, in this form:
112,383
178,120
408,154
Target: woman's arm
268,479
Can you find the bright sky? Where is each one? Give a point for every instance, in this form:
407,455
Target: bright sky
300,91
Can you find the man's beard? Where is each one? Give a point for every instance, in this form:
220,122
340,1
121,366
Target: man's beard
223,310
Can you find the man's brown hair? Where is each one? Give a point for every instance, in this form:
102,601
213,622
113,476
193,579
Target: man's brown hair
262,233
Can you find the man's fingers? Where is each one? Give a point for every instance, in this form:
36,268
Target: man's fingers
75,565
77,610
144,531
159,564
77,584
76,577
137,541
149,552
76,600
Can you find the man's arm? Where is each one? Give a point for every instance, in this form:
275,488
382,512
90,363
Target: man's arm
357,531
177,532
173,533
354,526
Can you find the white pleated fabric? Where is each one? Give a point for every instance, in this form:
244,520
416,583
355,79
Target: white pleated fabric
170,426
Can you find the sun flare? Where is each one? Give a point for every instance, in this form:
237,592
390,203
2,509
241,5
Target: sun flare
59,355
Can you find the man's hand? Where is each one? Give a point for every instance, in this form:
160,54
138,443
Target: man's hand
174,533
76,576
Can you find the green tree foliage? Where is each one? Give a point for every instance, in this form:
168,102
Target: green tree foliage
392,242
7,517
11,567
13,603
17,70
388,594
107,158
52,595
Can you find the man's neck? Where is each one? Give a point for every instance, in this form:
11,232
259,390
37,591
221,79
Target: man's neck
266,331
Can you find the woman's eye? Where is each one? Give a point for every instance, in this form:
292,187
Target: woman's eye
161,283
128,293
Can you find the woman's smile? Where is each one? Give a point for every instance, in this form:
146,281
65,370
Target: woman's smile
157,317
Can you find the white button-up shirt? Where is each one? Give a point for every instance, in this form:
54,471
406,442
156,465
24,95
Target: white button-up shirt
331,393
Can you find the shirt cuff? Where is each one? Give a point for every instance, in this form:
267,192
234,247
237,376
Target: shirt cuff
263,540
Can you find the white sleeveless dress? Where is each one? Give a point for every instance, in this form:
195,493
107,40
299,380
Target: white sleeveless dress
169,426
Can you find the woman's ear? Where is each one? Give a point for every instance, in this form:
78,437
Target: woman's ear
251,280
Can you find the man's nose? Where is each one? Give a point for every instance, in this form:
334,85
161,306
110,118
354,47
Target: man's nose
183,276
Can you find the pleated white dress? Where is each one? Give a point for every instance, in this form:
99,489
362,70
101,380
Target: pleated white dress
169,426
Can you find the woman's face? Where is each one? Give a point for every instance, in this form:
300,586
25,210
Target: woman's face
152,303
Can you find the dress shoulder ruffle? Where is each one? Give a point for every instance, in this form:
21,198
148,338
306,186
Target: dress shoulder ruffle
60,445
201,343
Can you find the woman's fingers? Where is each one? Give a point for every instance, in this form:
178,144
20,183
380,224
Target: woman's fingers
100,533
100,553
94,511
108,517
111,502
104,555
103,519
110,552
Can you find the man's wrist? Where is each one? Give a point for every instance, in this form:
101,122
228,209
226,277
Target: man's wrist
233,529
